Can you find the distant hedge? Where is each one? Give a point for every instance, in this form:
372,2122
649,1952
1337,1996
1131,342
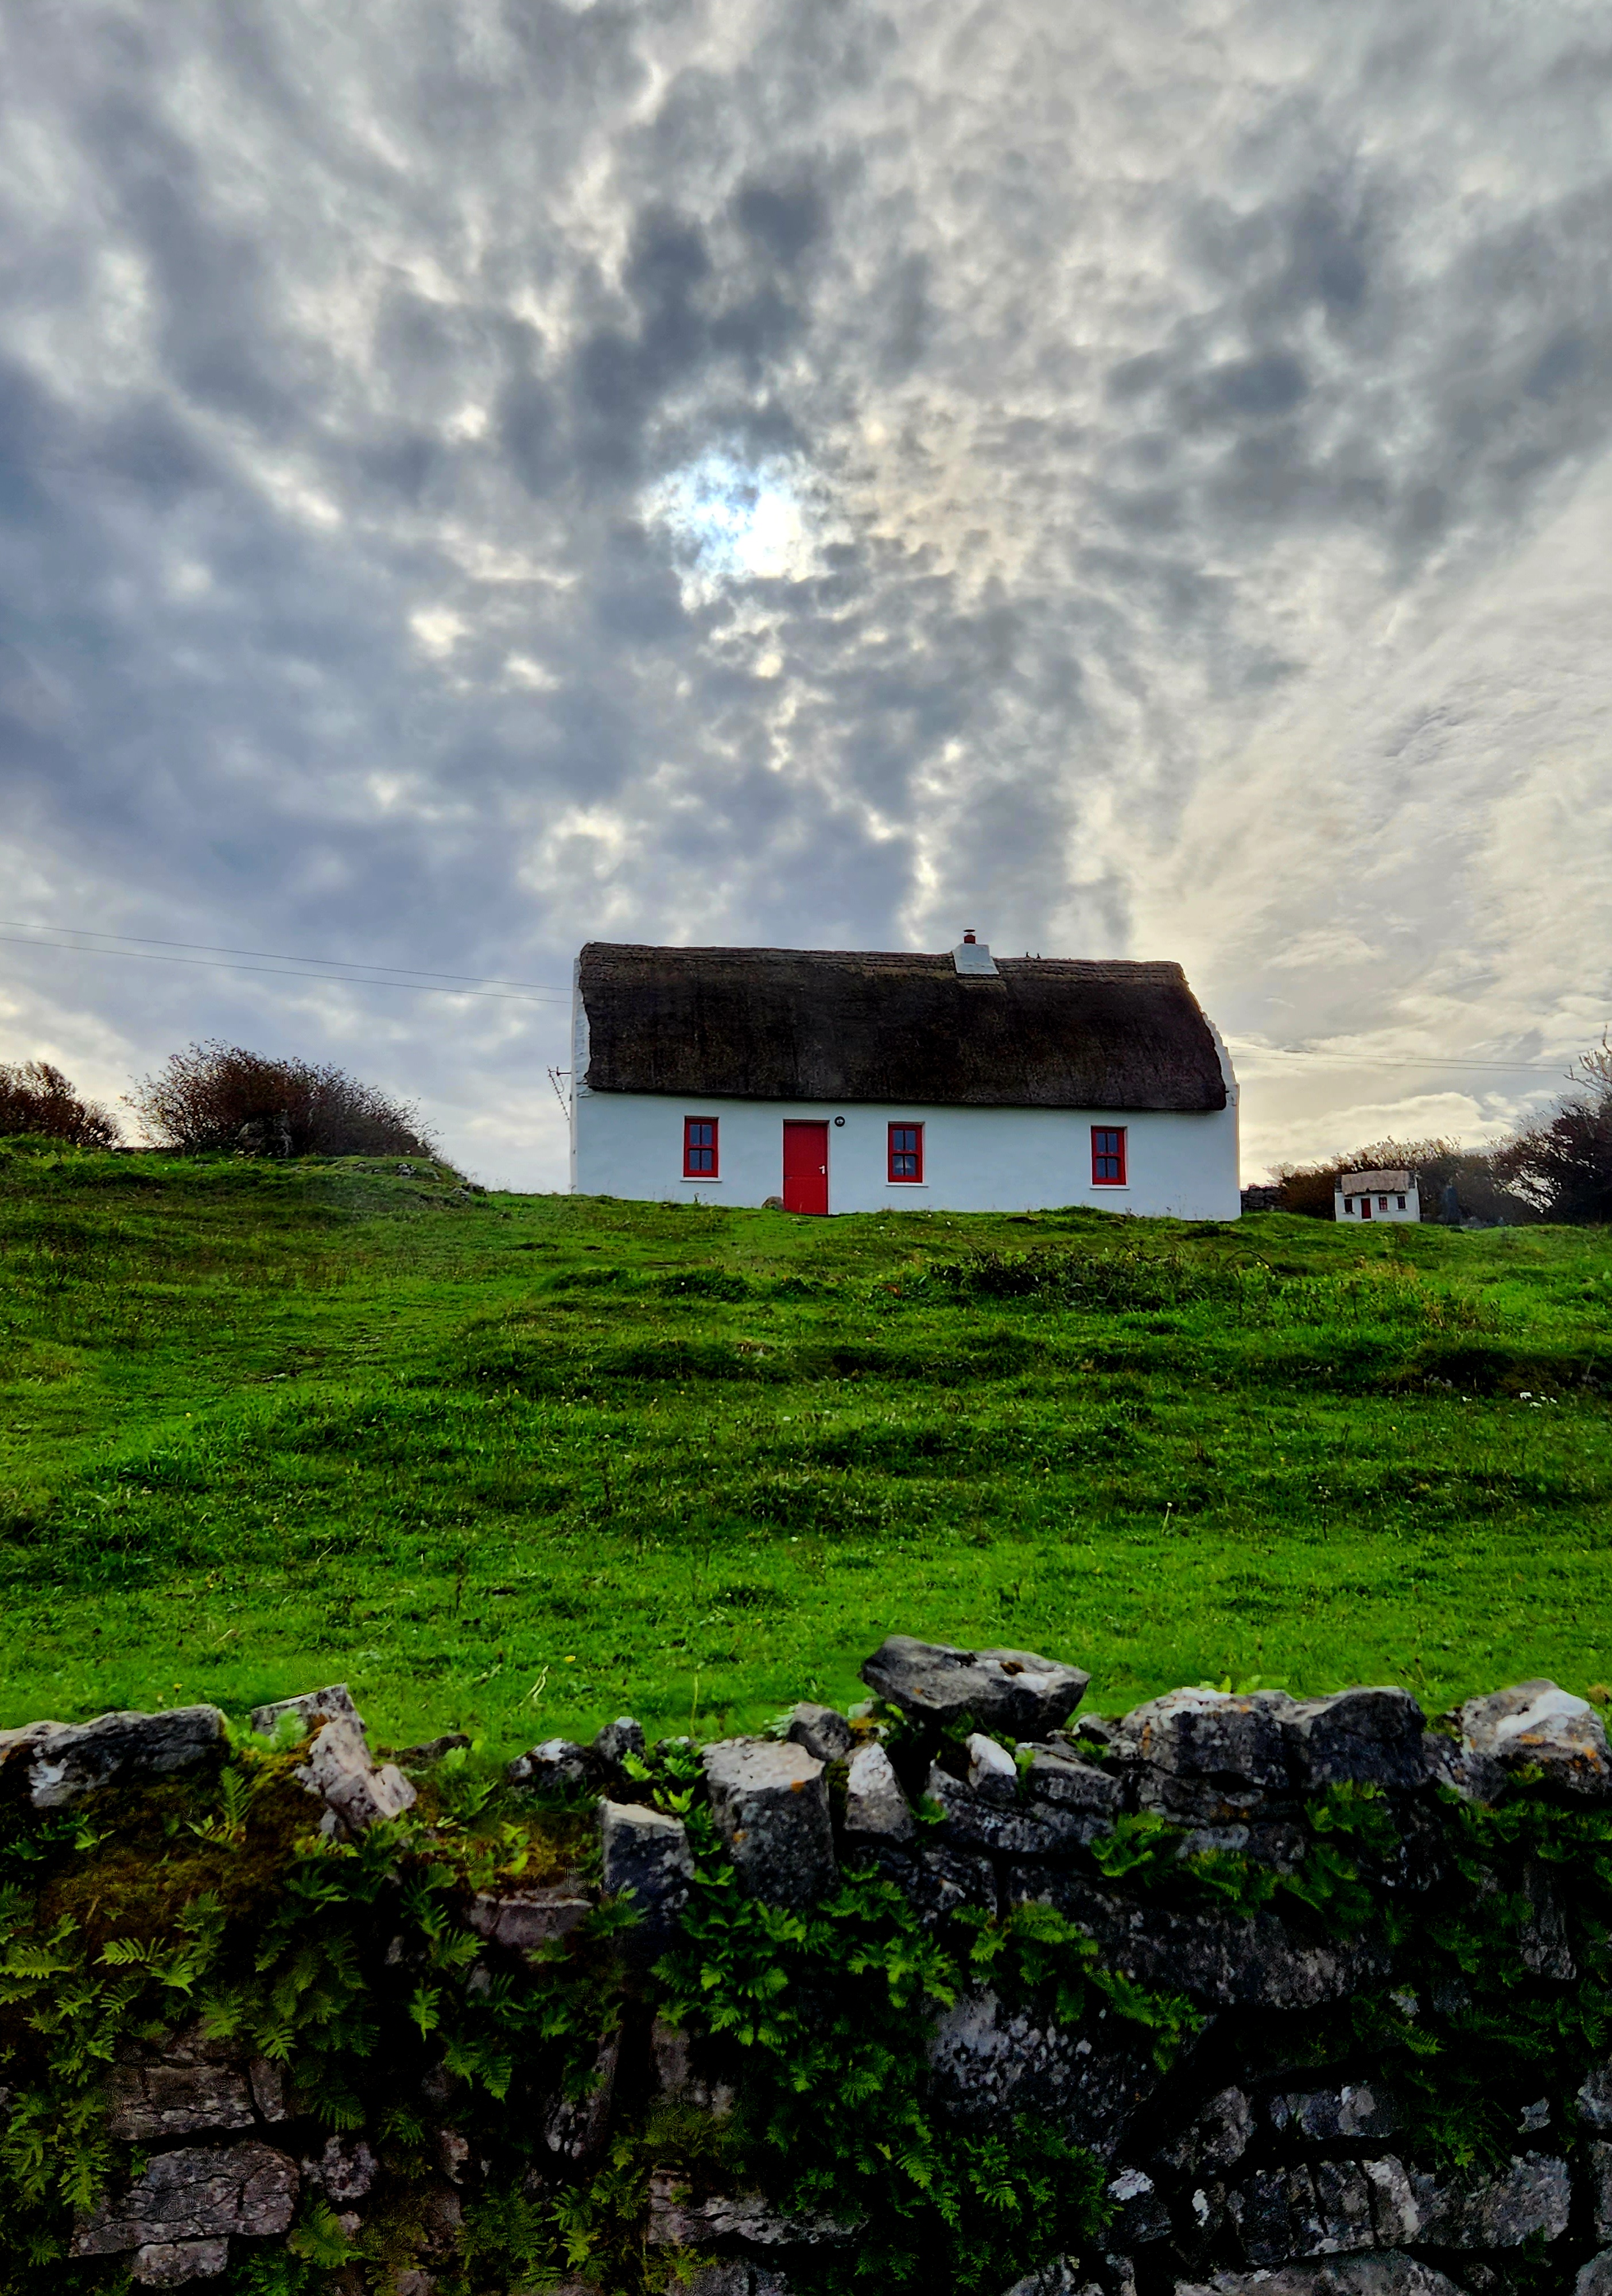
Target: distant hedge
38,1101
214,1096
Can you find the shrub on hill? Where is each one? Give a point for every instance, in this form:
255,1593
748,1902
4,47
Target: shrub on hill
213,1095
37,1099
1563,1166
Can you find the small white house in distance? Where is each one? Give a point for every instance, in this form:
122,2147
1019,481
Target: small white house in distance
855,1081
1376,1196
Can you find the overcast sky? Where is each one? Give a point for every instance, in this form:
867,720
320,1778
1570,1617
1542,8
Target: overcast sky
1132,477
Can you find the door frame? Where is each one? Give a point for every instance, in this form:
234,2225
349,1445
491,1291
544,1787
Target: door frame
804,1124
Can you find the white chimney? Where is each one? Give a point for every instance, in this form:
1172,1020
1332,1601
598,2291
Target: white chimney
974,956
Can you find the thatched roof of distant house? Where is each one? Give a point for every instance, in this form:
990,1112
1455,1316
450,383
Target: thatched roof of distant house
847,1025
1369,1184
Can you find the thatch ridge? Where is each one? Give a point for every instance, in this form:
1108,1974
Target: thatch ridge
891,1027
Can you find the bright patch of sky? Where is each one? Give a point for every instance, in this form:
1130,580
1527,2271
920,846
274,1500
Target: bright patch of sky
734,522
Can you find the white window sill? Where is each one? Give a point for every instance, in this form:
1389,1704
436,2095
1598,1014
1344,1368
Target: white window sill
702,1179
1110,1187
908,1187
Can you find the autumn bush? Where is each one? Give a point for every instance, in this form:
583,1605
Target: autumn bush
1562,1166
37,1099
214,1096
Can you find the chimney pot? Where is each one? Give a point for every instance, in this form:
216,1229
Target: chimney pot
967,936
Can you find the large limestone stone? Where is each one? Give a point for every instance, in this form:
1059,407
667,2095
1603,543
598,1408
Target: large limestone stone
1533,2195
357,1790
521,1920
1039,1829
196,2194
1355,2109
170,2263
269,2089
147,2103
821,1731
1595,2278
576,2126
731,2275
678,2219
876,1809
993,1773
344,2171
559,1765
616,1742
1598,2160
1535,1725
1058,2278
770,1805
1219,1961
1363,1737
646,1851
936,1882
1323,2208
1212,1734
1390,2273
1011,1690
1217,2137
1058,1776
61,1762
1142,2215
334,1704
991,2062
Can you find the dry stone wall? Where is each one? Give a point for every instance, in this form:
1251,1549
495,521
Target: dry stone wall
1300,1996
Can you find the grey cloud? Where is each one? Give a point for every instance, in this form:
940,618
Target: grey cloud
1242,390
787,217
345,370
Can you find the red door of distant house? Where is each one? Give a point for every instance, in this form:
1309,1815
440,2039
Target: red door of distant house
805,1167
1365,1207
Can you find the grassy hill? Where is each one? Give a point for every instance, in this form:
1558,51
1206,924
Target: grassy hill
517,1464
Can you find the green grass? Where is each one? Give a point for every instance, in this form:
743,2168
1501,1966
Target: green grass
516,1464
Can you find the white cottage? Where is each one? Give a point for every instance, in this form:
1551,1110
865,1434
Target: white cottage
1376,1196
856,1081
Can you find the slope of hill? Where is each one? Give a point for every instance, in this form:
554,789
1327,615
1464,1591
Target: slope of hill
515,1464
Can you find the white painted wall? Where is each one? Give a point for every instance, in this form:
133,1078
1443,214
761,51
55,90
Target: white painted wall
1383,1208
976,1159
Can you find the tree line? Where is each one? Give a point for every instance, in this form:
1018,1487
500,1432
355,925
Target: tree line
1558,1168
214,1096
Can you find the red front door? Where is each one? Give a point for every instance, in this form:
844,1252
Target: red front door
805,1167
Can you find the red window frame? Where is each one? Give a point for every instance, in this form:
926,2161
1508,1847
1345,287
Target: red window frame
1108,1155
700,1148
903,1155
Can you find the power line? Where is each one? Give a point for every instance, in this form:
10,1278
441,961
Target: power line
280,972
216,956
280,955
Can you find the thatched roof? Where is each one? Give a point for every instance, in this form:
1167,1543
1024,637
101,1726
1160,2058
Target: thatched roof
1367,1184
852,1025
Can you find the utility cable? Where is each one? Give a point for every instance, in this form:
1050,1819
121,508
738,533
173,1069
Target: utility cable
282,972
280,955
214,955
